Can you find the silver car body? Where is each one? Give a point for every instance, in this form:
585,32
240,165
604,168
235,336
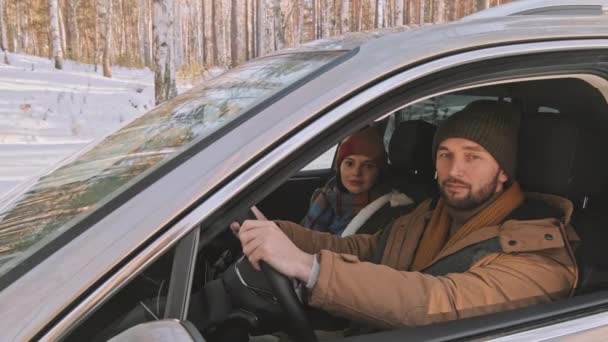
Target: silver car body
55,294
544,7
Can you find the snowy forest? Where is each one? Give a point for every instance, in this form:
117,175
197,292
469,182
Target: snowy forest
190,36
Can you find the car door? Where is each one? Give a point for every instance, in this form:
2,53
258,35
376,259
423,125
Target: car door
517,65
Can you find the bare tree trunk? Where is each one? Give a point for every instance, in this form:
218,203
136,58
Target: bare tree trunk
104,14
54,25
203,33
379,14
422,11
356,15
296,33
162,28
213,32
413,11
439,11
482,4
72,36
17,38
96,34
62,37
107,72
3,42
260,26
234,54
144,28
279,32
344,16
122,43
389,13
175,48
315,21
247,31
328,28
254,27
398,13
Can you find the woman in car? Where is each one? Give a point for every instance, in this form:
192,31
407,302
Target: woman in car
360,164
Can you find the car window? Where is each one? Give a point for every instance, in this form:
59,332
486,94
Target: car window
433,110
62,198
322,162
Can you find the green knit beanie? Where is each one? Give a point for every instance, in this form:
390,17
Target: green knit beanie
493,125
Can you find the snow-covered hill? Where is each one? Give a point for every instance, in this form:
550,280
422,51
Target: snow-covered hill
47,114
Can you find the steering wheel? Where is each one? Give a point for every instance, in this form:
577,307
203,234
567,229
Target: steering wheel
283,291
288,300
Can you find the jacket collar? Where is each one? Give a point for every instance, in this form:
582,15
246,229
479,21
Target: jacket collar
522,233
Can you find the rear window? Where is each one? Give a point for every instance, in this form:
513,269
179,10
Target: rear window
62,198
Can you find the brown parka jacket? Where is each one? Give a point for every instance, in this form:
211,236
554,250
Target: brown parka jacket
535,264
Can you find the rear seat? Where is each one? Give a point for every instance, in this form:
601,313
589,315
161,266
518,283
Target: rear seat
411,168
558,155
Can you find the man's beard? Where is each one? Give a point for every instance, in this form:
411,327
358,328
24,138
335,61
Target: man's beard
473,199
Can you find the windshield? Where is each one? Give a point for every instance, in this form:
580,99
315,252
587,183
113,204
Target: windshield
62,198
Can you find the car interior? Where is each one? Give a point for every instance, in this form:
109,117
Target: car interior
561,152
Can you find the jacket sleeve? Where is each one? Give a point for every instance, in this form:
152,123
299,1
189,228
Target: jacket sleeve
387,298
363,246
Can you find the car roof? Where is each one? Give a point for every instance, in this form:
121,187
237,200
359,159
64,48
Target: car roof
393,52
525,7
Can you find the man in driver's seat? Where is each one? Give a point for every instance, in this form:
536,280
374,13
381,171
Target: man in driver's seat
483,246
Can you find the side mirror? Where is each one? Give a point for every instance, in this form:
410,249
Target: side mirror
157,331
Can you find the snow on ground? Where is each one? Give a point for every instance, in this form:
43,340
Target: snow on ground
47,114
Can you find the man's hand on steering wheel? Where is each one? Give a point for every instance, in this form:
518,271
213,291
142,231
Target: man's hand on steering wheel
264,241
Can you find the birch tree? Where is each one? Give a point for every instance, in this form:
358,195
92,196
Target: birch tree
54,30
162,28
344,25
144,31
62,36
3,42
482,4
439,11
399,14
234,41
213,33
17,38
277,24
177,40
72,36
104,26
260,25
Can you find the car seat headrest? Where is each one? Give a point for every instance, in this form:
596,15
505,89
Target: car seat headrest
410,148
555,156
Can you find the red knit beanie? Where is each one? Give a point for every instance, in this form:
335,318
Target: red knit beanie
367,142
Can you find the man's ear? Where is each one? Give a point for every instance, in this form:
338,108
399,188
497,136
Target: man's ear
502,177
